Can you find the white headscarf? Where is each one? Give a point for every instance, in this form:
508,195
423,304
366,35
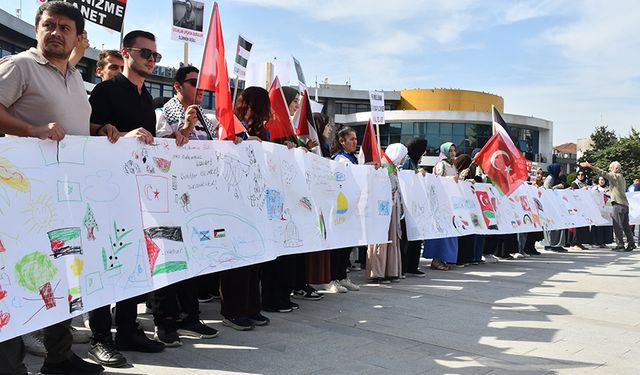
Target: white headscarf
396,152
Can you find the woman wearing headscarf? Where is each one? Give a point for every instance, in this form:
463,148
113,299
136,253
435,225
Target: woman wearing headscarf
466,244
602,235
383,260
410,250
580,236
554,240
443,250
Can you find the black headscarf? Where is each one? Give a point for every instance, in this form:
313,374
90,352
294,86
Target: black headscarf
417,147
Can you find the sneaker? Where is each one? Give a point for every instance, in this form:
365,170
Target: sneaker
308,294
204,298
630,247
618,248
72,366
293,305
34,345
79,337
278,309
416,273
239,324
380,280
170,339
490,258
349,284
517,256
259,319
197,330
559,249
138,342
106,354
403,276
335,287
534,252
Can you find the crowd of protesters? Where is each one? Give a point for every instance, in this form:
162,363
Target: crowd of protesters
121,106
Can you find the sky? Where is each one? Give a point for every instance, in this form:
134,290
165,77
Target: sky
573,62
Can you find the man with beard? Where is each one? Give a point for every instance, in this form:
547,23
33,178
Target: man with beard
38,88
122,107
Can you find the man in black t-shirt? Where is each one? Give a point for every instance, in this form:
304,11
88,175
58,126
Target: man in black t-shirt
122,107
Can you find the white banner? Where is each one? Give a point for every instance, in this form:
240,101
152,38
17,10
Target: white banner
85,222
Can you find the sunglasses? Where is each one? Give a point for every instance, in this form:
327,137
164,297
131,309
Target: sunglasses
192,81
145,53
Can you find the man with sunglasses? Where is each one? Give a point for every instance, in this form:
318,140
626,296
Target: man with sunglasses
179,118
122,107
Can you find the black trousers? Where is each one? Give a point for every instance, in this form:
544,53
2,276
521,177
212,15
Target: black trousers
168,302
278,279
339,261
466,246
409,251
126,313
300,268
240,292
57,341
208,284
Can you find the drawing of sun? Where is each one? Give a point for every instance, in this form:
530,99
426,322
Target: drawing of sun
41,214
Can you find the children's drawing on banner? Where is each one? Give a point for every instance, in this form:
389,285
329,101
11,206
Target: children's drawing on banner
41,214
111,255
165,249
100,187
35,272
12,177
488,205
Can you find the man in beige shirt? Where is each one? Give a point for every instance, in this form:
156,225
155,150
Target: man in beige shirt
43,96
618,187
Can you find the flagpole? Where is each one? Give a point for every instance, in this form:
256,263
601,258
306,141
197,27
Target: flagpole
378,138
235,88
186,53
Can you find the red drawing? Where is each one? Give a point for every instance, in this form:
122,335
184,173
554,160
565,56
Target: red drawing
5,317
156,194
46,292
3,293
152,250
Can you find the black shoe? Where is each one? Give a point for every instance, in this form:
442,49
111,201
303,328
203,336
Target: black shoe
534,252
618,248
280,309
416,273
197,330
630,247
294,306
105,353
259,319
72,366
239,324
308,293
138,342
168,337
559,249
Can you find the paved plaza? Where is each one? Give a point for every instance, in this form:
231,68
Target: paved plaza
571,313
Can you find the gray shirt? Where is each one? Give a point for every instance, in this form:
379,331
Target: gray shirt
35,91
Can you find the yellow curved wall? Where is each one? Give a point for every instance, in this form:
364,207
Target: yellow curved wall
449,100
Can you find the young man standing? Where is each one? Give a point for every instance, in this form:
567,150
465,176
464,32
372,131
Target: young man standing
122,106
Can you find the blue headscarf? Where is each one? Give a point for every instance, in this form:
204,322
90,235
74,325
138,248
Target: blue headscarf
444,151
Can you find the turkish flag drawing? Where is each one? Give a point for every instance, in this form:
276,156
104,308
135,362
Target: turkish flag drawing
214,77
369,150
507,169
279,125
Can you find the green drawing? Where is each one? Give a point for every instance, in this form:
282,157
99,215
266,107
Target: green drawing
169,267
90,223
110,260
74,291
35,270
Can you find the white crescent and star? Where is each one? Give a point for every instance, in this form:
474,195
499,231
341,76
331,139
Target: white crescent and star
507,168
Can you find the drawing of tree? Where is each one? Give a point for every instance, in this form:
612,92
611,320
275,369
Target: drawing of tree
110,261
35,271
90,223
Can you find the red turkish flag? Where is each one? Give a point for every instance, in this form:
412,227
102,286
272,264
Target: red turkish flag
369,151
214,77
279,125
507,169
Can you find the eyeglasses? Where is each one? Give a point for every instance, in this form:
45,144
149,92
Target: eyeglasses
145,53
192,81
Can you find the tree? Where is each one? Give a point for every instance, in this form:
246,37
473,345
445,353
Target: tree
602,137
626,151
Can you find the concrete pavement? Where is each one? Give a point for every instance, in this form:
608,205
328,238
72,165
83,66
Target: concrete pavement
571,313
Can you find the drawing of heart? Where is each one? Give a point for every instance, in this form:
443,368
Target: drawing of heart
5,317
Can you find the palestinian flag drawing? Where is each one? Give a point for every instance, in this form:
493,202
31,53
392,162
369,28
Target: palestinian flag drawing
65,241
